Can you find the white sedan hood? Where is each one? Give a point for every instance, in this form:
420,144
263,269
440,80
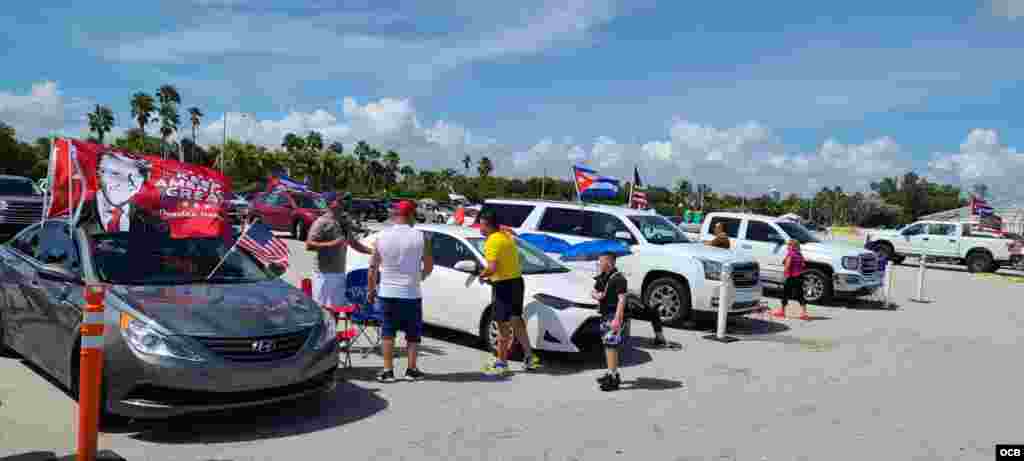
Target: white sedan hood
573,286
698,250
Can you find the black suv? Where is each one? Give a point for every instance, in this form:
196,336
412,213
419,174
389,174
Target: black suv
365,209
21,204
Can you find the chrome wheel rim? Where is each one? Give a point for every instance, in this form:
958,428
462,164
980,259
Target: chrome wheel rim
814,287
666,300
493,333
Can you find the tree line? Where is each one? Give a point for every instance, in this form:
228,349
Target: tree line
369,171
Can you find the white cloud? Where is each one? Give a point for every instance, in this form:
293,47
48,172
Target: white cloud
1011,9
982,159
38,113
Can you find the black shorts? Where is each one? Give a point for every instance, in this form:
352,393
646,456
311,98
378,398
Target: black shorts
508,299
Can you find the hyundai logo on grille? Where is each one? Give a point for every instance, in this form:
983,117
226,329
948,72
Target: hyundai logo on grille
264,346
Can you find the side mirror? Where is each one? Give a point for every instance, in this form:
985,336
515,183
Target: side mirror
467,266
623,235
58,273
277,269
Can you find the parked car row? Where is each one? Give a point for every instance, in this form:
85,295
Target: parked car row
21,204
958,243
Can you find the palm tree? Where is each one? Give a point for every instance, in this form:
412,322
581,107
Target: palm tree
101,121
683,190
143,106
196,116
169,119
466,162
391,161
485,167
293,143
314,141
407,173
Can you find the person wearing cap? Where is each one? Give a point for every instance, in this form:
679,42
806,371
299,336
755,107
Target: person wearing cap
401,260
330,235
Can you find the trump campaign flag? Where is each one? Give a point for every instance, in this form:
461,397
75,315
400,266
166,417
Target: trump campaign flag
589,184
260,242
124,189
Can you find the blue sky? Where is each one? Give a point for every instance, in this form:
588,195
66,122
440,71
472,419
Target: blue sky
795,95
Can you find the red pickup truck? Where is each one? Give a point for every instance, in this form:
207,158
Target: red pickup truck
288,210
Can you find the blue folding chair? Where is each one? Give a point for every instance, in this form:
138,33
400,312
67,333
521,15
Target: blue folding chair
367,318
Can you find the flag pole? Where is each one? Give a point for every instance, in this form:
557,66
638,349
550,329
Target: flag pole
245,230
575,185
542,181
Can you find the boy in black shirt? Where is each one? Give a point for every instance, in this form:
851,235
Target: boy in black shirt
610,292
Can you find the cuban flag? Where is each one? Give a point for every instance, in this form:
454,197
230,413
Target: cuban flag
589,184
980,207
279,181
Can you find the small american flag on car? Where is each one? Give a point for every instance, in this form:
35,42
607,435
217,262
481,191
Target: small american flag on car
638,198
260,241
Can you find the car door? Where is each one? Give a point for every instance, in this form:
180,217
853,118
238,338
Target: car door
279,212
732,229
55,305
16,271
767,246
568,224
911,239
448,299
942,240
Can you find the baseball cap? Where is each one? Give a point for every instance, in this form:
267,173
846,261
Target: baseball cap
405,208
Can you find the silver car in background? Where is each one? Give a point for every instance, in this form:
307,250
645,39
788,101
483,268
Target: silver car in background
176,341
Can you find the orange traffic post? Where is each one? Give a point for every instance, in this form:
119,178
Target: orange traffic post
90,373
307,287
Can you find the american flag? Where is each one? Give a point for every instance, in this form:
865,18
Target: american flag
260,241
638,198
980,207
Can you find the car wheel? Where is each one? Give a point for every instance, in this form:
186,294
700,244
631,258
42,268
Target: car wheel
299,230
489,335
817,287
671,298
886,250
978,262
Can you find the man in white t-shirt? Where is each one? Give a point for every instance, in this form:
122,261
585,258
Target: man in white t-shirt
401,260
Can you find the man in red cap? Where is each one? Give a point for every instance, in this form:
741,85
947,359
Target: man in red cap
401,260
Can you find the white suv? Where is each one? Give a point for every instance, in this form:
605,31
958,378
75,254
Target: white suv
665,269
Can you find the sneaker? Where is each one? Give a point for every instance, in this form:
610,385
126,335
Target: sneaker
659,342
414,374
531,362
604,378
612,383
386,376
497,369
805,316
779,313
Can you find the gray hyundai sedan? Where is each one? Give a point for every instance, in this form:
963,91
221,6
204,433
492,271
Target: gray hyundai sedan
177,339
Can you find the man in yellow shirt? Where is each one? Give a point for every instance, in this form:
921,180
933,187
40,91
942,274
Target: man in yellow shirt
506,277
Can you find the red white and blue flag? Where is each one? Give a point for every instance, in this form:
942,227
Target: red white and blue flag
980,207
589,184
638,198
278,181
260,241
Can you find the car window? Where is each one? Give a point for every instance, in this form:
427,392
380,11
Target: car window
732,225
448,250
604,226
28,242
759,231
531,258
508,214
942,229
564,221
916,229
658,230
57,247
17,186
309,202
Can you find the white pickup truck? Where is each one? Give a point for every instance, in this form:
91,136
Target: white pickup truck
665,269
833,268
957,243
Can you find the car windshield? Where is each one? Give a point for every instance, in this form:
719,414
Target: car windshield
15,186
531,258
658,230
308,201
797,232
124,258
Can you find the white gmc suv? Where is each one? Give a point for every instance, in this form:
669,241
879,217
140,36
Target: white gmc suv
666,270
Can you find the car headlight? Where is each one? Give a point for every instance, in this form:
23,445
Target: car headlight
712,269
142,337
328,329
3,205
561,303
851,262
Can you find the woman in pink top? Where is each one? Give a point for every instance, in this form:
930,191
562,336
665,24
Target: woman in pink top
793,268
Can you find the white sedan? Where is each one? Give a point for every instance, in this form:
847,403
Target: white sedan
560,314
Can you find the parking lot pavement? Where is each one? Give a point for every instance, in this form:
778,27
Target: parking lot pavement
921,381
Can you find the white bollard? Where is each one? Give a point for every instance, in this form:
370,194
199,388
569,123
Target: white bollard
887,285
725,300
923,263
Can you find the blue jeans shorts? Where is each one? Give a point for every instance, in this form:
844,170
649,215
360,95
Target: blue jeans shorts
404,315
609,337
